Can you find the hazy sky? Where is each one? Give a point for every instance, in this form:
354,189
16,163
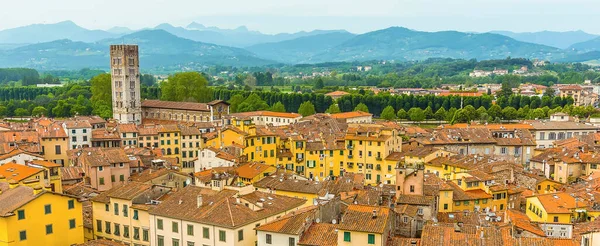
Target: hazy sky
273,16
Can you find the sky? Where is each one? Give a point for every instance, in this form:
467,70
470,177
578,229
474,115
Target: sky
276,16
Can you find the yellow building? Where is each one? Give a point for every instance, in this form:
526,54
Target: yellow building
33,216
121,213
170,142
365,225
52,175
54,142
191,142
22,175
555,208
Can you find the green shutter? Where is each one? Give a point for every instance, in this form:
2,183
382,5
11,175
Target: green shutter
347,236
371,238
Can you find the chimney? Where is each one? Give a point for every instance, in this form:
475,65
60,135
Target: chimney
12,184
37,189
374,214
199,201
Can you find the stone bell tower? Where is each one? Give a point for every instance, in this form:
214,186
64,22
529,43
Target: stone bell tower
125,79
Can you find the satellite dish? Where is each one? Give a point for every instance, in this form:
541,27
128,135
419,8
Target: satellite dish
381,185
487,218
334,221
498,219
318,220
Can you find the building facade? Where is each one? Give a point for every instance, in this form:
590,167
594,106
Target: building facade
125,80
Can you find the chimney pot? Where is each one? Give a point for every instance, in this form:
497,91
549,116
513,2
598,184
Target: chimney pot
199,201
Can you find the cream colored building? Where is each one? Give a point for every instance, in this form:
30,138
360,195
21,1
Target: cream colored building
201,216
261,118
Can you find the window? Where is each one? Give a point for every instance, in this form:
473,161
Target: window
145,233
116,208
347,237
48,229
205,233
122,178
72,224
125,210
269,239
47,209
371,239
175,227
107,227
117,229
190,243
445,206
99,225
159,224
555,218
71,204
57,149
175,242
161,241
457,203
412,188
240,235
292,241
23,235
503,150
101,179
126,231
222,236
190,230
21,214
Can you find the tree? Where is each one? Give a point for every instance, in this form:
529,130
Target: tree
428,112
416,114
495,111
39,111
319,84
186,87
549,92
361,107
440,114
333,109
252,103
21,112
402,114
147,80
101,100
509,113
306,109
506,90
278,107
250,81
388,113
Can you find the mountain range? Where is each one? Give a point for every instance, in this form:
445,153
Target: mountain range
65,45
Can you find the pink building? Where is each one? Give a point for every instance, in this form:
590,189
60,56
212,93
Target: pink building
103,167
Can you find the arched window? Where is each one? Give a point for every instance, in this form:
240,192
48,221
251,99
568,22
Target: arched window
168,151
176,150
561,135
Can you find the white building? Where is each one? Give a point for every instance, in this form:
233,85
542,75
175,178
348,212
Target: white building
559,127
210,157
261,118
79,132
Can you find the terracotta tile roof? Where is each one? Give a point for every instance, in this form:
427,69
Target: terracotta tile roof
221,208
461,195
148,130
127,128
319,234
337,93
150,174
266,114
458,136
123,191
285,183
292,223
476,175
71,173
54,130
75,124
401,241
470,218
175,105
491,127
80,190
360,218
168,128
251,170
44,163
415,200
561,125
460,93
18,172
104,134
96,157
560,202
520,220
189,131
13,199
348,115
